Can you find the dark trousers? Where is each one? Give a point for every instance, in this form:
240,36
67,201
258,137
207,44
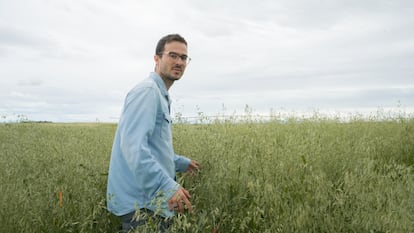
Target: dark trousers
145,220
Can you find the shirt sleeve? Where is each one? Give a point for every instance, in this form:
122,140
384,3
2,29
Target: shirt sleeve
181,163
138,123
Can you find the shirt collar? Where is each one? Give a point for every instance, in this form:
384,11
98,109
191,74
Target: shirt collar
161,85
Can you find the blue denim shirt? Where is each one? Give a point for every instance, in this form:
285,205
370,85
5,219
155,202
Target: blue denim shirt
143,163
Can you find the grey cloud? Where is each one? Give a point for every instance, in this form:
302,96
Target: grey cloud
30,82
59,104
9,36
301,99
303,14
15,37
267,54
348,98
24,44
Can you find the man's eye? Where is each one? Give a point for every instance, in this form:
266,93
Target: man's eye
173,55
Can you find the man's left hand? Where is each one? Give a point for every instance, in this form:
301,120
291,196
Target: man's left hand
193,167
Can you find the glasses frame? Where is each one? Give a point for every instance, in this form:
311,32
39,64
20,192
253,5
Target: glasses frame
174,56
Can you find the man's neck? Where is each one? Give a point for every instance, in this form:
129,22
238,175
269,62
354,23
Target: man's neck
168,82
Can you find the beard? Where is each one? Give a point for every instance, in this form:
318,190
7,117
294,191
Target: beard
172,75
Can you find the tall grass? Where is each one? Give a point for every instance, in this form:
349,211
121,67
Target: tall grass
308,176
314,175
40,160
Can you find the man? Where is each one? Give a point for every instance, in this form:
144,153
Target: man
143,163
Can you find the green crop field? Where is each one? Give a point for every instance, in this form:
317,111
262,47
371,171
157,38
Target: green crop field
315,175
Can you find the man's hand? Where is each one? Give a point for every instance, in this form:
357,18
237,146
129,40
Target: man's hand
180,200
193,167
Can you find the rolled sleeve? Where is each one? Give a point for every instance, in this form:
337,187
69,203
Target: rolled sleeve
181,163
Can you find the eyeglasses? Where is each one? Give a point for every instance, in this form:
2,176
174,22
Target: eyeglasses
175,56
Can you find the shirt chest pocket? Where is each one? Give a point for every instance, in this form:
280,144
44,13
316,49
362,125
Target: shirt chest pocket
165,126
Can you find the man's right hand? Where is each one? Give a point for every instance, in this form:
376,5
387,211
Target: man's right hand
180,201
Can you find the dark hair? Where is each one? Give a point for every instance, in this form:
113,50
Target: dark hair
167,39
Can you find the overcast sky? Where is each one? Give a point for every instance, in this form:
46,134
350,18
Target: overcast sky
66,60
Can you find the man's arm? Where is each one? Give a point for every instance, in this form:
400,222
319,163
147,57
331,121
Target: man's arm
184,164
138,123
181,163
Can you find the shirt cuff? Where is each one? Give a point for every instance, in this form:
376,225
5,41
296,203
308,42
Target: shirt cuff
181,163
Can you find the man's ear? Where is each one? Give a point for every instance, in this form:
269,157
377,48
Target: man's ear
157,61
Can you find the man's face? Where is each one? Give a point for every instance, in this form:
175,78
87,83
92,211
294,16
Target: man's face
170,66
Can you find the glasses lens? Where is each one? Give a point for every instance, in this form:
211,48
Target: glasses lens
175,56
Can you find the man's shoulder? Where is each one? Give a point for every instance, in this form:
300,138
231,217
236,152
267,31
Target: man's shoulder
143,88
145,85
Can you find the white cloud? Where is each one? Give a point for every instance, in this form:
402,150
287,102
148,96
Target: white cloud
77,60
